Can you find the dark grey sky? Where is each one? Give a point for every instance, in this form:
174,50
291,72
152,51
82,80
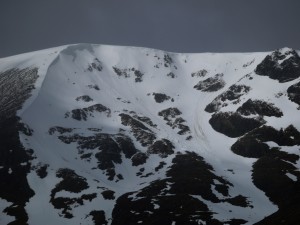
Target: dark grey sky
172,25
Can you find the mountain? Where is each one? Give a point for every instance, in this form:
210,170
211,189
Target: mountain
95,134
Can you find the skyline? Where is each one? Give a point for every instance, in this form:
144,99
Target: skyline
172,25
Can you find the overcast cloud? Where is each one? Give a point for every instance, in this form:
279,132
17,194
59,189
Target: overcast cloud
172,25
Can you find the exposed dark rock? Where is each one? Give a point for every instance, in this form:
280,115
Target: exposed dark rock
171,115
188,138
294,93
232,94
171,74
84,98
106,148
124,101
259,107
173,199
287,216
138,76
269,175
145,119
60,130
96,87
87,156
82,114
252,144
18,212
140,173
211,84
121,72
95,129
160,97
42,171
222,189
110,173
109,153
143,134
233,124
168,61
120,177
281,65
200,73
238,201
161,147
248,63
71,182
128,72
183,129
147,175
182,209
160,166
98,217
108,194
66,203
139,159
15,88
25,129
89,197
250,147
290,133
126,145
188,172
95,65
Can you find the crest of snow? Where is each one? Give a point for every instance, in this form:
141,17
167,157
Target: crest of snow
285,50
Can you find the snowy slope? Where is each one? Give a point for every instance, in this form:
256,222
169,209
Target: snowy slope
109,131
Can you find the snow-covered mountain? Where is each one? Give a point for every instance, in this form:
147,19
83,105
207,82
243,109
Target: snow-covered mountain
94,134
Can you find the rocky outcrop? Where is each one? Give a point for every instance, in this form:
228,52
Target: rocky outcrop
199,73
142,133
177,198
270,174
233,124
294,93
73,183
161,147
107,149
84,113
253,143
259,107
84,98
95,65
129,72
171,115
282,65
211,84
231,95
160,97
